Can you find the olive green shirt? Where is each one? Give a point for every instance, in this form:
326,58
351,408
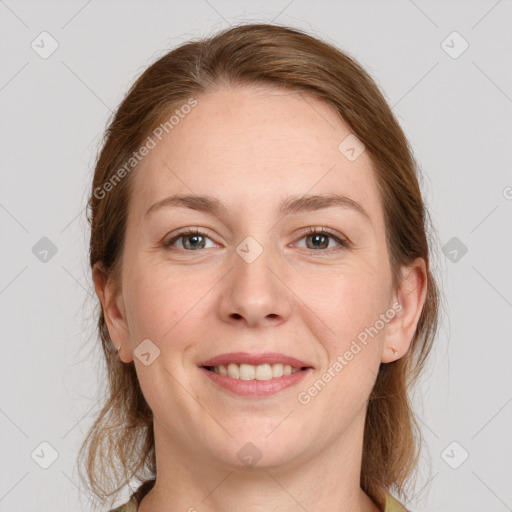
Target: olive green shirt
392,505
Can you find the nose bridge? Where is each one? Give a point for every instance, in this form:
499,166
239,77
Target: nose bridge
254,291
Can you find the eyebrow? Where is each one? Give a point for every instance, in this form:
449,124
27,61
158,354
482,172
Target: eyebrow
291,205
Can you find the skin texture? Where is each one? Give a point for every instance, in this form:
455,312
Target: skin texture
250,148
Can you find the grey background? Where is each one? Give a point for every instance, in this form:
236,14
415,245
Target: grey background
457,113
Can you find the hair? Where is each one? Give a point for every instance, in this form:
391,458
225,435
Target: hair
120,443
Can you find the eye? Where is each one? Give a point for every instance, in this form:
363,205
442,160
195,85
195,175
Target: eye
318,239
192,240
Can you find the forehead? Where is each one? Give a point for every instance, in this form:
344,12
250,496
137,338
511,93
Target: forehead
252,147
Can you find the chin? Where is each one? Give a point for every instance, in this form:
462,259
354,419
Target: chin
262,448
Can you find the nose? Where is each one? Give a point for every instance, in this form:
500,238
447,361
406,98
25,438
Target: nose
254,293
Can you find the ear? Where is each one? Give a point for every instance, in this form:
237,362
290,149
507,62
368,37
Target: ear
408,304
111,298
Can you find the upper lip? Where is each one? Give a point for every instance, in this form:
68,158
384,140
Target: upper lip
255,359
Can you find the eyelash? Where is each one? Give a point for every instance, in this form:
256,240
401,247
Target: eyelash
344,244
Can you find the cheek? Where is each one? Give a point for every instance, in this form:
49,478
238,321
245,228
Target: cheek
153,305
165,305
347,302
350,305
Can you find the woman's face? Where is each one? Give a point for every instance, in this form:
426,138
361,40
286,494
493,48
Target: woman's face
254,281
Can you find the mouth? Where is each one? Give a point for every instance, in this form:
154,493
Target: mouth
255,374
264,371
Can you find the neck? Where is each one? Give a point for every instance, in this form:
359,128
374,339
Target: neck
328,480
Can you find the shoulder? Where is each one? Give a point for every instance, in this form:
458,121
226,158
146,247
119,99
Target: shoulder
132,504
129,506
393,505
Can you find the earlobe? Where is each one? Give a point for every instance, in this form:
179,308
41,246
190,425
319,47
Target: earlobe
111,300
410,295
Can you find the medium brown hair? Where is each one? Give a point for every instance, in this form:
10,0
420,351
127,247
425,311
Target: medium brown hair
120,444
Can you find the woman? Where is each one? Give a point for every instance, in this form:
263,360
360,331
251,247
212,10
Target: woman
259,249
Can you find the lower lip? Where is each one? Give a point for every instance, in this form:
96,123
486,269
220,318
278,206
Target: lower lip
256,387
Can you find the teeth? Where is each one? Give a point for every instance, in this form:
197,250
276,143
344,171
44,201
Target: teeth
233,371
250,372
277,370
247,372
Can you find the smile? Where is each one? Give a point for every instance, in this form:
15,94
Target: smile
253,387
250,372
256,375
